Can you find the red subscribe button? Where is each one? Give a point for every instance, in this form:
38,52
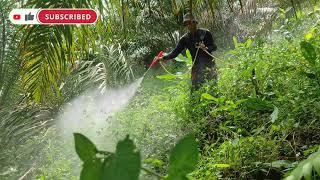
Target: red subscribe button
67,16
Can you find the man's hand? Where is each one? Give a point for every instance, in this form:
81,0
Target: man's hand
201,46
160,58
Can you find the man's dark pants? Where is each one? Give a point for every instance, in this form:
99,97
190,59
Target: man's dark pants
201,73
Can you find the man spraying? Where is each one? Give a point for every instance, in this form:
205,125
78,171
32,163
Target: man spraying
200,44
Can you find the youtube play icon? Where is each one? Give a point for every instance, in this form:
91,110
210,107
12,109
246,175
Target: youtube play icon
16,16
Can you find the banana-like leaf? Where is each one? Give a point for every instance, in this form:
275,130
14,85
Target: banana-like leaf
306,168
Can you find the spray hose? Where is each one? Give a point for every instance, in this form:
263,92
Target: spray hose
186,71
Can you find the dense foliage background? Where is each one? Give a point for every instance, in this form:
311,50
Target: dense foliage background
258,121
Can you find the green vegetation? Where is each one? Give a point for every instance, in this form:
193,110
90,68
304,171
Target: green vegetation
259,120
125,163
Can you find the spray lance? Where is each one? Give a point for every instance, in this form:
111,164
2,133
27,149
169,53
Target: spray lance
154,62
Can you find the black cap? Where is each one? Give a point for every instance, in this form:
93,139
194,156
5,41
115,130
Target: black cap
189,17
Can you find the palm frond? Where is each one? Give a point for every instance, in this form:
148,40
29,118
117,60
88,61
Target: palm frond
48,52
19,126
9,61
109,68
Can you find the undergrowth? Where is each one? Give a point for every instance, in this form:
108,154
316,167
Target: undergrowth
258,121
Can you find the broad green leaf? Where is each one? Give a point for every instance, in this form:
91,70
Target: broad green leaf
235,41
183,158
124,164
208,97
92,170
167,77
258,104
308,52
307,171
316,164
311,34
308,36
315,157
249,43
154,162
189,57
222,165
297,173
274,115
291,177
235,142
311,150
305,168
181,58
258,130
280,164
85,149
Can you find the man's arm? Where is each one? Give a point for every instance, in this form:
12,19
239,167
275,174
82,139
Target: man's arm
179,48
209,42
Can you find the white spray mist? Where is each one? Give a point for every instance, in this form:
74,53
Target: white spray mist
88,113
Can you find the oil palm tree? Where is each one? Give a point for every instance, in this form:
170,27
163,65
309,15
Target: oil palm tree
9,60
48,52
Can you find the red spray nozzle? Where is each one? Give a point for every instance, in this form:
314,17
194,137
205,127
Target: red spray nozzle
156,59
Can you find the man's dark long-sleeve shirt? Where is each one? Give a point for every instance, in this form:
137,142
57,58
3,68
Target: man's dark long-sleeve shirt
189,41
